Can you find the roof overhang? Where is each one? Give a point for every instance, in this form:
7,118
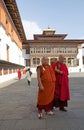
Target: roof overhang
9,64
14,13
53,41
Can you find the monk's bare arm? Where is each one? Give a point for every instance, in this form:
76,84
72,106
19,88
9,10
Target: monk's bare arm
39,80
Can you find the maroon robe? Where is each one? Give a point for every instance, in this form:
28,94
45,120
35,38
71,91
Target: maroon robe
62,85
19,74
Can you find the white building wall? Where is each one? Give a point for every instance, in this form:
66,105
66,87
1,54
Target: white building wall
83,53
15,54
83,49
79,56
2,44
25,56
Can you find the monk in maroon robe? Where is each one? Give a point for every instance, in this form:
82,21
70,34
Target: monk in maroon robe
62,84
19,74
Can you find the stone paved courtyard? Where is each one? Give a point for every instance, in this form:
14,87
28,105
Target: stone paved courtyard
18,107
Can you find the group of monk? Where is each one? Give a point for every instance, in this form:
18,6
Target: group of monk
53,86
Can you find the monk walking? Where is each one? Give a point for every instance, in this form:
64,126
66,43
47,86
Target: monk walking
62,84
46,86
19,74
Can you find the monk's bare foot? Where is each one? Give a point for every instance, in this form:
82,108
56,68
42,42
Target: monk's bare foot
63,109
39,115
50,113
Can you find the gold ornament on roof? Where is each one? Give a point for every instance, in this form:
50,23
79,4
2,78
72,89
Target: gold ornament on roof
48,27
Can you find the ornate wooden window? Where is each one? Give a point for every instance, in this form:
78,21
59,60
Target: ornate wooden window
0,71
27,51
52,60
5,71
27,62
36,61
7,51
71,61
0,13
83,60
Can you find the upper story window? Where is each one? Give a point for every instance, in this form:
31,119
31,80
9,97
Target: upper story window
27,51
6,20
0,13
11,29
83,60
7,52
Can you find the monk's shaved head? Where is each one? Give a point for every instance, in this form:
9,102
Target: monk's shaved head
45,60
61,58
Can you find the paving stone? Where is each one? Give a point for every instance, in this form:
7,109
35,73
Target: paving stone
18,107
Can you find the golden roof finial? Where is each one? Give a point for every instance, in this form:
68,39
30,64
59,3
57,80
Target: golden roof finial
48,27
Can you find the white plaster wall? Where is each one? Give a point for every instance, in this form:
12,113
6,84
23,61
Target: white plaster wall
26,56
83,51
2,44
79,56
15,54
7,77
